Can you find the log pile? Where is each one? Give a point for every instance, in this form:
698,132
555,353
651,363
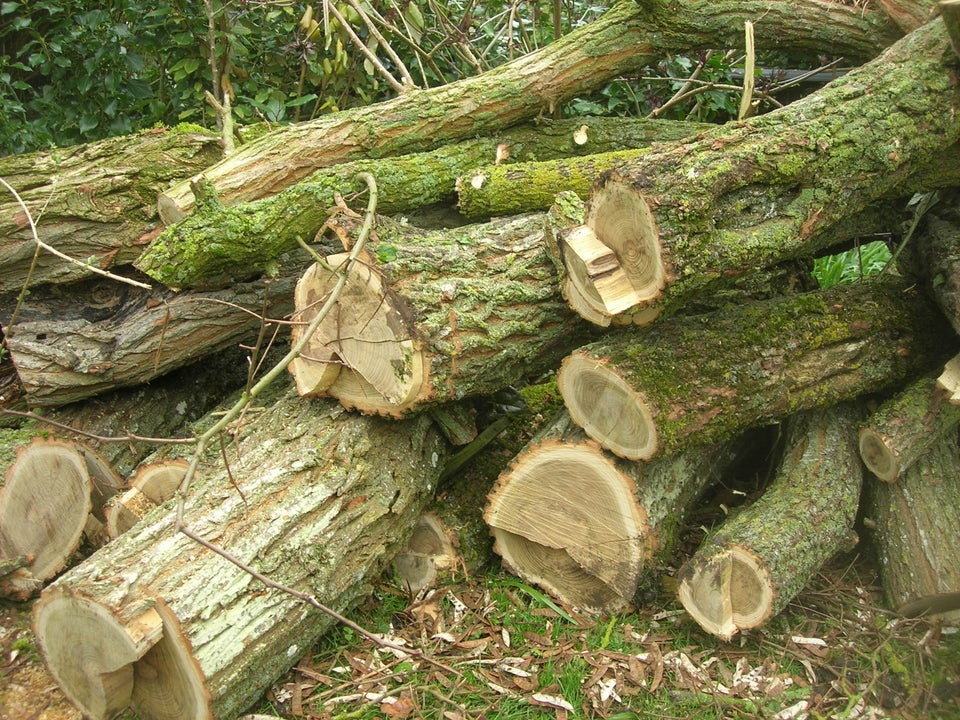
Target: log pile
670,306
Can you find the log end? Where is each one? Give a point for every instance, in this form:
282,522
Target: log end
428,552
728,593
565,518
607,408
877,455
105,663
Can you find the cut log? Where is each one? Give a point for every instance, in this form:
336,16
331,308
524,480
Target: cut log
772,187
431,549
759,560
327,500
584,524
949,380
435,316
44,504
73,342
904,427
95,202
914,530
623,40
153,485
642,392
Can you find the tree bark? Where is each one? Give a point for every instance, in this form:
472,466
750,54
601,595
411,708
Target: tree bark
916,522
584,524
625,39
435,316
652,391
95,202
933,257
904,427
760,559
76,341
774,186
180,633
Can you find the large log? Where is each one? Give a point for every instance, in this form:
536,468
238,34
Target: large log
584,524
914,530
625,39
434,316
95,202
178,632
74,341
772,187
759,560
642,392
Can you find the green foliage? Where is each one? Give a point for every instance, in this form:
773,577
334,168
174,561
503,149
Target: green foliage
860,262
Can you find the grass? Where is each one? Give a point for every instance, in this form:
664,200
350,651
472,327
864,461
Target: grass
855,264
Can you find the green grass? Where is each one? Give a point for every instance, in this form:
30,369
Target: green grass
856,264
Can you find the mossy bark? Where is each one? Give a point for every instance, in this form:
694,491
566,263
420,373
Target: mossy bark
933,256
95,202
623,40
651,391
773,187
759,560
327,499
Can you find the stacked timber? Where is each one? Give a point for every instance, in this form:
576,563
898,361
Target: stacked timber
669,305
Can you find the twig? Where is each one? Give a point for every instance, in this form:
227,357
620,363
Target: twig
359,44
405,77
746,100
99,438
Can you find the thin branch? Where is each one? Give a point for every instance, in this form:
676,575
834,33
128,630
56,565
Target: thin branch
404,73
93,436
359,44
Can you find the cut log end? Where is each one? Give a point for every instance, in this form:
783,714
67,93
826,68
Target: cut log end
729,594
877,456
105,664
568,521
363,352
607,408
428,551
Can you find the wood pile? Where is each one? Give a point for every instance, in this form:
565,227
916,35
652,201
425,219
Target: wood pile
675,307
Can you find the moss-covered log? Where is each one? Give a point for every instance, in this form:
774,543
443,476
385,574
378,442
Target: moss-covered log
95,202
759,560
584,524
904,427
75,341
625,39
179,633
914,530
933,256
772,187
435,316
642,392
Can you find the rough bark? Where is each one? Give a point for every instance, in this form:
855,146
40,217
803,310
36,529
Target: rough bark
329,499
904,427
759,560
652,391
584,524
95,202
933,257
625,39
435,316
774,186
44,504
916,522
73,342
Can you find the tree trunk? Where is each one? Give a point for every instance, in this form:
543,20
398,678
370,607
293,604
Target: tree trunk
625,39
774,186
916,522
653,391
180,633
933,257
434,316
905,427
583,524
760,559
76,341
96,202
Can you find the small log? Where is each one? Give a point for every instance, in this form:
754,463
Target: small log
94,202
904,427
44,504
153,485
327,501
584,524
913,529
430,550
76,341
949,380
755,193
642,392
759,560
435,316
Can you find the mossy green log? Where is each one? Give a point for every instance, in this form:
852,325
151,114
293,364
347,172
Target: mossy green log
643,392
762,557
